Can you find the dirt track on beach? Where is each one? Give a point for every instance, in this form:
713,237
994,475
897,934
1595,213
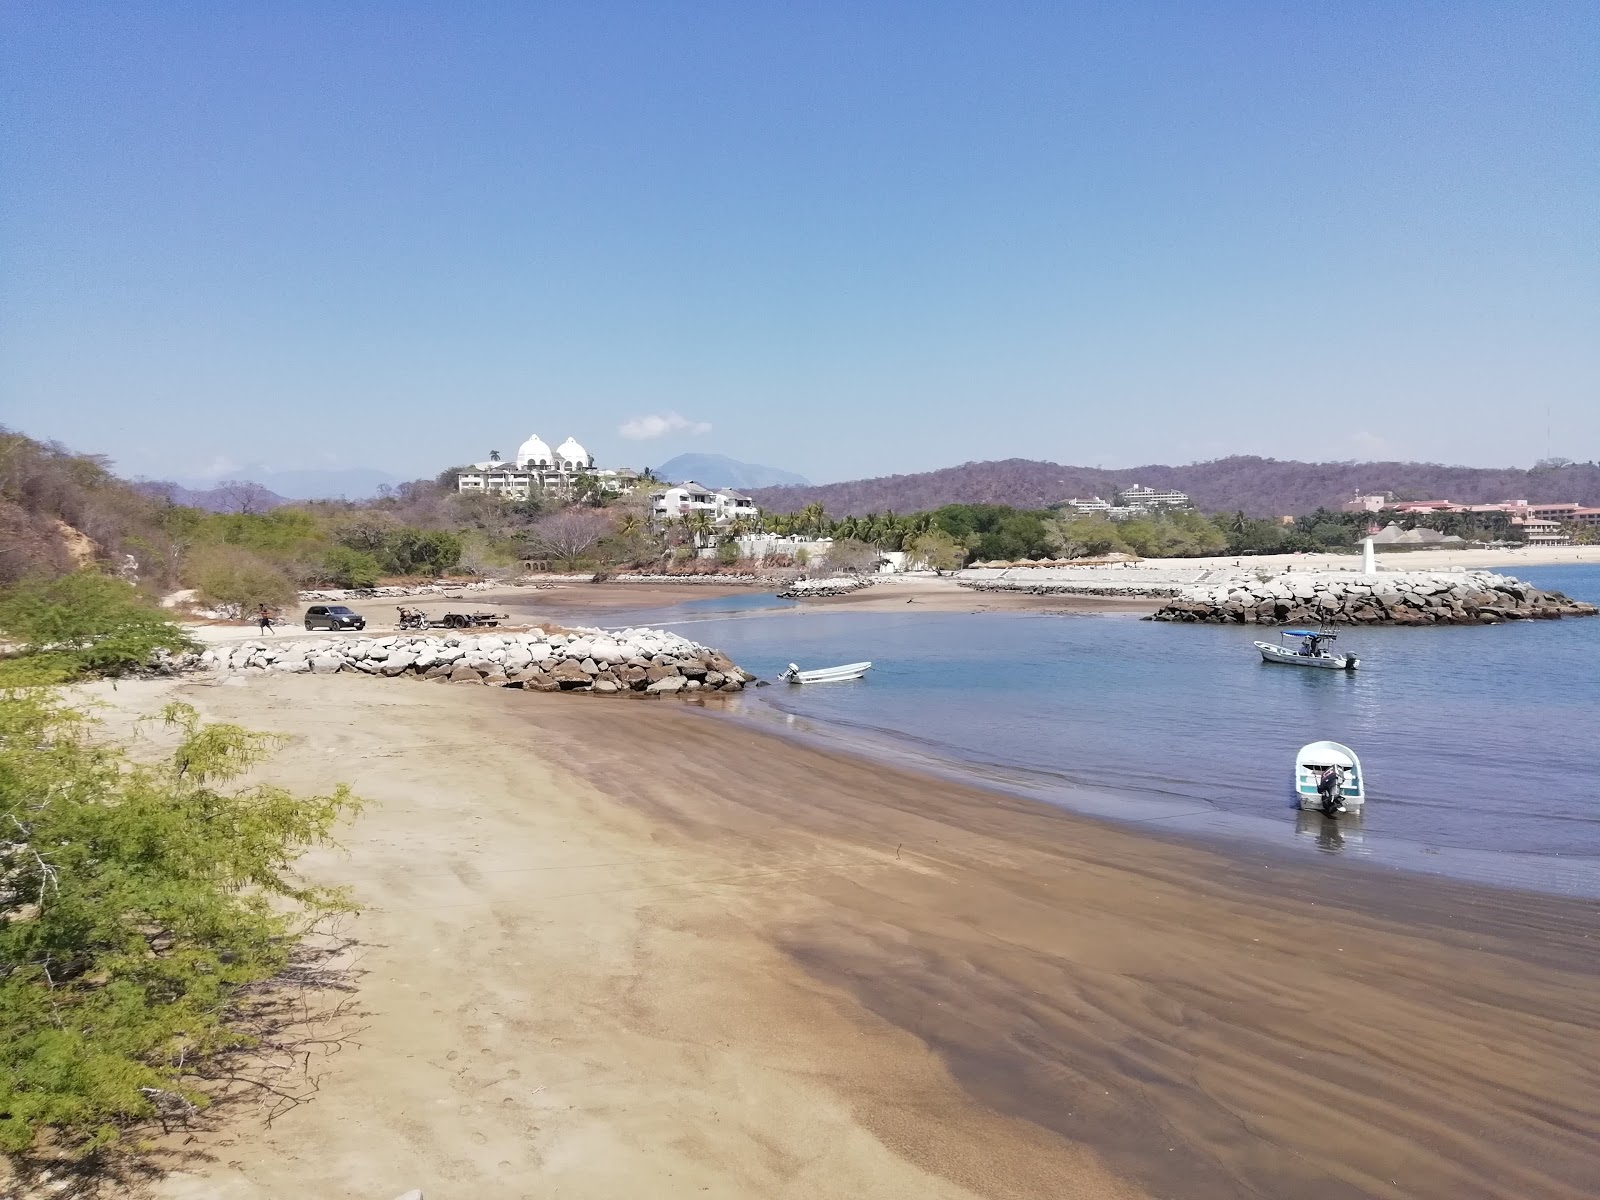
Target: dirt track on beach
625,948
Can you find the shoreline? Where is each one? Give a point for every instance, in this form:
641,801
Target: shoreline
1181,819
702,959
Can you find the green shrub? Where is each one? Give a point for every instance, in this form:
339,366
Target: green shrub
136,898
80,624
349,568
421,551
229,576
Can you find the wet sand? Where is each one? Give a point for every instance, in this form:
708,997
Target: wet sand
631,948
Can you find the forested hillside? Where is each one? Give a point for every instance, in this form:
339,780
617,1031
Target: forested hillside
1261,487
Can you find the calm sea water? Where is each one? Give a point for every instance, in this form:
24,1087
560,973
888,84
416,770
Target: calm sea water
1481,745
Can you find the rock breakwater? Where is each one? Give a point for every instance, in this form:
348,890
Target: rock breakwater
697,577
810,589
1387,598
652,661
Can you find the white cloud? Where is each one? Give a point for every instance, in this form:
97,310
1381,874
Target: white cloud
656,425
219,467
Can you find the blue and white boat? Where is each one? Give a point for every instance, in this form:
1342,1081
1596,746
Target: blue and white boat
1309,651
1317,757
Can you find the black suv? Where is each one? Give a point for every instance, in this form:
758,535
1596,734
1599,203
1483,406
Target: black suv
333,616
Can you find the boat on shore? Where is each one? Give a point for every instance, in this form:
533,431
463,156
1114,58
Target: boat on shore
1311,651
1316,757
825,674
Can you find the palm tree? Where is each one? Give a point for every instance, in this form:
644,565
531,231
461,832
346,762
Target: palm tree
699,525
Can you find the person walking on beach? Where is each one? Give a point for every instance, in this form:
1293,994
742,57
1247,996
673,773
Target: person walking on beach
264,618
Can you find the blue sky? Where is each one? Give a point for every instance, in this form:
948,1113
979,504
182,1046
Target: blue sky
843,239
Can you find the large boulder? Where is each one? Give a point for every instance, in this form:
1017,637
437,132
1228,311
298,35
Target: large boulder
398,661
461,673
569,674
669,683
539,681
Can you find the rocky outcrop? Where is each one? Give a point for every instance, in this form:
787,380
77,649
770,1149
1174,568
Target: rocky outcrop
325,595
652,661
1387,598
809,589
1056,588
686,577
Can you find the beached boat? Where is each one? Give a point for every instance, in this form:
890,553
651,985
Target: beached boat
1313,759
1310,651
825,674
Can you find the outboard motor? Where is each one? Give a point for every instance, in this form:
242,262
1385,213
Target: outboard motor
1330,785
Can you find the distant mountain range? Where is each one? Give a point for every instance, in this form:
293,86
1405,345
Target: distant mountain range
718,470
240,496
1261,487
261,488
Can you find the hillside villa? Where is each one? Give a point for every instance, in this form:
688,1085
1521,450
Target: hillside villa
723,505
541,473
1539,524
1136,501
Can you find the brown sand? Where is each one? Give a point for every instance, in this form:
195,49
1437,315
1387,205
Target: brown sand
624,948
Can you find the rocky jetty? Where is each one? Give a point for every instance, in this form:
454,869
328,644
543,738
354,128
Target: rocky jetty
686,577
1386,598
810,589
652,661
1058,588
323,595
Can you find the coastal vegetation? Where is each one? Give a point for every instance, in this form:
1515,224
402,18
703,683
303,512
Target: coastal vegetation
140,897
84,624
62,512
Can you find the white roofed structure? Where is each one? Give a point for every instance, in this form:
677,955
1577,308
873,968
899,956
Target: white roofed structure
534,453
571,456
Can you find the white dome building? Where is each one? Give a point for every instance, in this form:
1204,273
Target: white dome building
573,457
534,453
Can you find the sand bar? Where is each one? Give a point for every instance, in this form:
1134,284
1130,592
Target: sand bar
631,948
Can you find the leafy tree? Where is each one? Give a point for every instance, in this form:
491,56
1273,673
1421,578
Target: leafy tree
1087,537
81,624
421,551
136,898
728,553
1248,535
349,568
936,550
853,557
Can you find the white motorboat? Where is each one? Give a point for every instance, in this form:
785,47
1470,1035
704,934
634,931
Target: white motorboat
825,674
1317,757
1310,651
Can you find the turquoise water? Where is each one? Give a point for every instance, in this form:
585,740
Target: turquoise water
1481,745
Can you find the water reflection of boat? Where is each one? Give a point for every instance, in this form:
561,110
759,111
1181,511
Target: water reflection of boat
1329,835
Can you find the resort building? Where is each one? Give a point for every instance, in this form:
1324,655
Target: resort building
1136,501
1370,504
1143,499
1538,531
723,505
541,473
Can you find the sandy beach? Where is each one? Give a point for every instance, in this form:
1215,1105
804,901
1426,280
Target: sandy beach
618,948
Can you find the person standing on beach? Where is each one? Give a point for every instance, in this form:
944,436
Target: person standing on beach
264,618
